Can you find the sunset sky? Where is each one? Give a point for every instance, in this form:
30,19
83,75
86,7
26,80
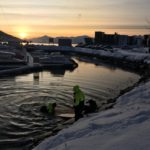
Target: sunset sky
32,18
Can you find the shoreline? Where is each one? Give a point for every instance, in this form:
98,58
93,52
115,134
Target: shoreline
31,69
143,79
139,62
111,102
108,105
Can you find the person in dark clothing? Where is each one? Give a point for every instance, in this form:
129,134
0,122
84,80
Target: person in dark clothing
91,107
79,99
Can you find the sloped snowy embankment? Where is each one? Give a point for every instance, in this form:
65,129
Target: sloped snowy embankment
125,127
119,54
138,56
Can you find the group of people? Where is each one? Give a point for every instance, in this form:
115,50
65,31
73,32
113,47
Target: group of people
80,108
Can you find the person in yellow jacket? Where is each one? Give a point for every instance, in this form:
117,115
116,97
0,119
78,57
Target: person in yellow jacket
48,109
51,108
79,99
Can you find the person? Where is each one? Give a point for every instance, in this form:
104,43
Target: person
49,109
79,99
91,107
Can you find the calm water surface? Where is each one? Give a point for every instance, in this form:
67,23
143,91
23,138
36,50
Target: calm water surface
21,123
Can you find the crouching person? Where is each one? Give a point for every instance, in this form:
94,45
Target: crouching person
49,109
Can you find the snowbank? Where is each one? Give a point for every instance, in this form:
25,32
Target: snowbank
125,127
139,56
118,54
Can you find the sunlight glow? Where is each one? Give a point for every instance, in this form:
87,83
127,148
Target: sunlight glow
33,18
22,35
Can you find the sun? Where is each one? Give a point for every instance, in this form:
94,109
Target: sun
23,35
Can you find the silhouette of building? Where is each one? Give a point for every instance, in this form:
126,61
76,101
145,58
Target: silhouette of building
65,42
123,40
51,40
99,37
139,40
120,40
146,40
15,44
108,39
132,40
88,41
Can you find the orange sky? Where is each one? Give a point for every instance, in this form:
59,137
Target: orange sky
32,18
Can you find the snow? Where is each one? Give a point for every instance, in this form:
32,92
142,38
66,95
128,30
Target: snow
134,55
121,54
124,127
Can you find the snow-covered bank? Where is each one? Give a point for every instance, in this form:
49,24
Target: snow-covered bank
124,57
124,127
139,59
128,55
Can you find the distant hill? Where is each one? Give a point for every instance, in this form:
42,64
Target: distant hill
4,37
42,39
45,39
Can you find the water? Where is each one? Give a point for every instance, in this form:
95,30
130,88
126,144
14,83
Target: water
21,123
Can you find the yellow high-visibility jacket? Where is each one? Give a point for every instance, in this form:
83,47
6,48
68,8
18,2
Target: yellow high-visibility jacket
50,108
78,96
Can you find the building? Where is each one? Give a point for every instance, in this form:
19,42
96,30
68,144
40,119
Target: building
99,37
107,39
121,40
139,40
88,41
16,44
132,40
146,40
64,42
51,40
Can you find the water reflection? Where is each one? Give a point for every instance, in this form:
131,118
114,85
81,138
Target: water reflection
97,63
39,76
36,78
58,72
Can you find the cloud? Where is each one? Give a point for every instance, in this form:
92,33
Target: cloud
78,15
62,26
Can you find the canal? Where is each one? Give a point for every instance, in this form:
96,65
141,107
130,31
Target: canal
22,125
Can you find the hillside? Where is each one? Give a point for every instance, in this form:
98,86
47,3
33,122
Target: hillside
4,37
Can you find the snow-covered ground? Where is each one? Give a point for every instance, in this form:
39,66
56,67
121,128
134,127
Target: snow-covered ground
125,55
124,127
140,55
